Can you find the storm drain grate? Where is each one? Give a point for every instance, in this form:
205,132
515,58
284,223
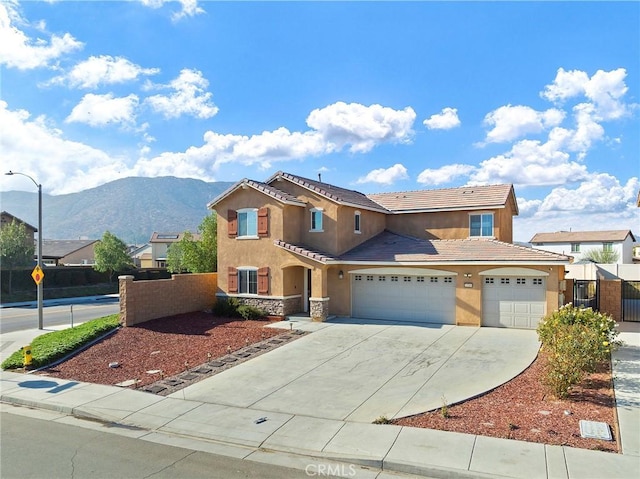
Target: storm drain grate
595,430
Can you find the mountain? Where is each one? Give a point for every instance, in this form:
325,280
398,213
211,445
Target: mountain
130,208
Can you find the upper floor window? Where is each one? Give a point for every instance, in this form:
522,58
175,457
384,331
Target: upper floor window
316,219
248,222
575,247
356,222
607,246
481,225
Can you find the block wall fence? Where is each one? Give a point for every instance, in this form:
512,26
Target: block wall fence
142,301
609,296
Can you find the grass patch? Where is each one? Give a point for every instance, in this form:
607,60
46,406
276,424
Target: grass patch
55,345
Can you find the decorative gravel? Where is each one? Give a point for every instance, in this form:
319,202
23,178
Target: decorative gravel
168,354
523,409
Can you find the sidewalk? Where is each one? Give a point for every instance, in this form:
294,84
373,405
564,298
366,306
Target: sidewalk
297,441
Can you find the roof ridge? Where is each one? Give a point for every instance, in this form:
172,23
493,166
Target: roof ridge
440,189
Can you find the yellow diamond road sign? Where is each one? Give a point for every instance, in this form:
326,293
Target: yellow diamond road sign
37,274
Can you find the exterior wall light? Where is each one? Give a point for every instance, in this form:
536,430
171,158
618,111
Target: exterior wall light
340,275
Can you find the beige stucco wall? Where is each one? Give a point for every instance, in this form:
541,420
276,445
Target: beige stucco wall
142,301
449,224
85,255
371,224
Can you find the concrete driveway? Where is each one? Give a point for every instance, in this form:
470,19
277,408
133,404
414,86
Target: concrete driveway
358,371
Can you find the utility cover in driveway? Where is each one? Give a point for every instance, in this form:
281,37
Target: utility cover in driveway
402,297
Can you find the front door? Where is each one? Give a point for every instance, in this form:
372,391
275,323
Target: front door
307,291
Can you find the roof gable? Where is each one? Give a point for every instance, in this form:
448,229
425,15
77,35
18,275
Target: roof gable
10,217
341,196
62,248
448,199
582,236
264,188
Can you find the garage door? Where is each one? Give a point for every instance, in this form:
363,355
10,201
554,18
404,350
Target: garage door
513,302
401,297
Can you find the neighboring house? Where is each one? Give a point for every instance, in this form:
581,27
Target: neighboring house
142,256
160,243
577,243
6,218
68,252
292,245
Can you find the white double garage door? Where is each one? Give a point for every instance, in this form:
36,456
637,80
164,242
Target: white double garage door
508,300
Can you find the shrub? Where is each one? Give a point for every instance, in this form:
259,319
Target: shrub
250,312
233,308
575,341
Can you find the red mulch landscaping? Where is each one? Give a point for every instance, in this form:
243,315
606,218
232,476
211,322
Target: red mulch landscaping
523,409
171,345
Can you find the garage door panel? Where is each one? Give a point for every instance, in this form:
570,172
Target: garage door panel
403,298
513,302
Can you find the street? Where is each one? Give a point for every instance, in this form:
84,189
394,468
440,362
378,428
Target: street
36,448
21,318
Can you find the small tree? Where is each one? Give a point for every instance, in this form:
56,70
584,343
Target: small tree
601,256
196,256
16,250
111,255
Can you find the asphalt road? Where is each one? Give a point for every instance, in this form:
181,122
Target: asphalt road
18,319
34,448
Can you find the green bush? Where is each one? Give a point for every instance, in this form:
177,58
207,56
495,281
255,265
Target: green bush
55,345
233,308
575,341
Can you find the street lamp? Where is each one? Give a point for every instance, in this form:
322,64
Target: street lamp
40,285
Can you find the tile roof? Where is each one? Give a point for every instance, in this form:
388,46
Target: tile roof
62,248
466,197
585,236
334,193
304,251
391,247
265,188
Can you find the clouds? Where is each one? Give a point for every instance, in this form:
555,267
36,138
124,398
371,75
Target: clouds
188,97
445,174
188,8
512,122
17,50
361,127
386,176
102,70
101,110
445,120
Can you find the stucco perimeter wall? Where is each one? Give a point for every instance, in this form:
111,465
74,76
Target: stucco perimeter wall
610,298
142,301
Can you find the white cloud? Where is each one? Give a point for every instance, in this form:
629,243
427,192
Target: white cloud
100,110
189,97
361,127
603,89
600,192
386,176
17,50
444,174
511,122
39,149
188,8
102,70
445,120
527,208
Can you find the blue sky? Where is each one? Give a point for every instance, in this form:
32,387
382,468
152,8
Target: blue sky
375,96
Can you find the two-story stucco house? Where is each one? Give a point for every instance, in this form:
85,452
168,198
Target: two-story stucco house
577,243
292,244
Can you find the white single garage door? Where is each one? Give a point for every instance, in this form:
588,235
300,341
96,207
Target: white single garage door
404,297
513,302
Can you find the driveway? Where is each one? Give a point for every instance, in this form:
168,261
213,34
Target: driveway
356,370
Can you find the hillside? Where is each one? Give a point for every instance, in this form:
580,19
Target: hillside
130,208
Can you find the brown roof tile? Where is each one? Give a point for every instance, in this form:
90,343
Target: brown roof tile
581,236
304,251
334,193
391,247
268,190
466,197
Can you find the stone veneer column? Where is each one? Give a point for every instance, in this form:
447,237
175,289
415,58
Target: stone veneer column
319,309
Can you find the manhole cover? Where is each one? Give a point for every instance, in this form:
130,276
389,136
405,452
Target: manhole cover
595,430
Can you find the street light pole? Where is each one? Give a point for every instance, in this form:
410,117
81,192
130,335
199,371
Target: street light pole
40,283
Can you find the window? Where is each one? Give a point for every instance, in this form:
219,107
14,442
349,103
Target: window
369,277
607,246
248,222
358,277
504,280
488,281
420,279
316,219
481,225
537,281
394,278
521,280
356,222
575,247
448,279
407,279
248,281
382,278
434,279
